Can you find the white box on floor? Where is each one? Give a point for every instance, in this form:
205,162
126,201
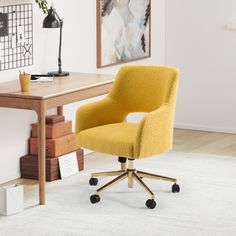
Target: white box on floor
11,199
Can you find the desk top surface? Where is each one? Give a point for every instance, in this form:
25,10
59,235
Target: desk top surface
60,86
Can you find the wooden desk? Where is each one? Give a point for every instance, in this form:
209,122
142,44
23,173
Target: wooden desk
65,90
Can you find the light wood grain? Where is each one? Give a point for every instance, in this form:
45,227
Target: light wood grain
54,131
56,147
192,141
63,90
61,86
41,111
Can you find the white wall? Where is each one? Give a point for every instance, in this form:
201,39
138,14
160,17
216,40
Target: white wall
79,54
15,124
205,51
79,45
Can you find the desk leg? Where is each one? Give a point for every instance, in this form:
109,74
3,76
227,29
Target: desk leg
41,153
60,110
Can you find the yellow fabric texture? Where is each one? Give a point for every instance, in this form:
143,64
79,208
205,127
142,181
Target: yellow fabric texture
101,126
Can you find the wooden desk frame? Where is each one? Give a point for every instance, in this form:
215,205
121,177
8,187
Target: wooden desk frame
41,105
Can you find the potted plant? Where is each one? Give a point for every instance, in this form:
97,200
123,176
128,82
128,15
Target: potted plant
42,5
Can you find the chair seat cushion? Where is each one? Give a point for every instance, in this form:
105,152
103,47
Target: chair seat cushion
116,139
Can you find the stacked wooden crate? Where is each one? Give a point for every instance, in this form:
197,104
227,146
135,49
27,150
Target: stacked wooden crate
60,140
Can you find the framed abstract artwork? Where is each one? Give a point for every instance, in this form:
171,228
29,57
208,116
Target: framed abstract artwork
123,31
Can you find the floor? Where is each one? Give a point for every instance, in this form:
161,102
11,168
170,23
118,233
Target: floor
184,141
205,206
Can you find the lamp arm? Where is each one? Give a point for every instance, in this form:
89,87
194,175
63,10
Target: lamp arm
59,54
60,43
59,18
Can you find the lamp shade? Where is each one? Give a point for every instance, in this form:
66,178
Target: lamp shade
50,20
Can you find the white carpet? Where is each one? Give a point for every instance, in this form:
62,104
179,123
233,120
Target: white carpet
206,205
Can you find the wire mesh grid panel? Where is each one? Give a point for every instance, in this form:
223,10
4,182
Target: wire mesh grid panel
16,36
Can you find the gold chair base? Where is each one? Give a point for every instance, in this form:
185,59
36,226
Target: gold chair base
132,175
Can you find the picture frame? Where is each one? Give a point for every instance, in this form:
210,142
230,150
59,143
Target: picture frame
123,31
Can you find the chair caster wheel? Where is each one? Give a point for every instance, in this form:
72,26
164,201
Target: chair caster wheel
175,188
93,181
94,199
150,203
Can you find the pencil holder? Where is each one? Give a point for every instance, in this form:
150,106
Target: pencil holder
25,82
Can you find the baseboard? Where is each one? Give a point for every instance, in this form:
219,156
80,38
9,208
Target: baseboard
10,177
205,128
86,152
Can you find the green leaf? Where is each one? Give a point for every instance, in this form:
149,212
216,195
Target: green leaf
43,5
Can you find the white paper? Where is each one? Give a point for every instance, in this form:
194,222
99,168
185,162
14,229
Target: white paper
68,165
20,34
13,41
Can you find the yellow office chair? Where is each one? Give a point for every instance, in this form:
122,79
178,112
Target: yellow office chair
102,127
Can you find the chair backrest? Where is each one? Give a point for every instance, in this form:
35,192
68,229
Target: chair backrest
144,88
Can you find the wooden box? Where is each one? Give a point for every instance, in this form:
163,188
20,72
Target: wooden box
53,131
54,119
56,147
29,166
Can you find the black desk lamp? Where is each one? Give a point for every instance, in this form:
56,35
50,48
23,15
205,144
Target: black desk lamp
52,20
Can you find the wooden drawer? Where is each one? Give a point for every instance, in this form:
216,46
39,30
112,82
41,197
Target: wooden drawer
56,147
53,131
29,166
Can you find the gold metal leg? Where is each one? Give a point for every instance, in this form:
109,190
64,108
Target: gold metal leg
132,175
153,176
114,181
142,184
108,173
130,179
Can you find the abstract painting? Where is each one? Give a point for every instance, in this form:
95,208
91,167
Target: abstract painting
123,31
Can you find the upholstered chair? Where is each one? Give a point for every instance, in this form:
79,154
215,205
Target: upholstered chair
102,127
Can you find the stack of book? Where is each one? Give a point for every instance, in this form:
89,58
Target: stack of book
60,140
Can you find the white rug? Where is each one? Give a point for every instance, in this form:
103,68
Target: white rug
206,205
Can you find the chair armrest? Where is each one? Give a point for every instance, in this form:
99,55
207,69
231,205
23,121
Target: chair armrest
105,111
155,132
